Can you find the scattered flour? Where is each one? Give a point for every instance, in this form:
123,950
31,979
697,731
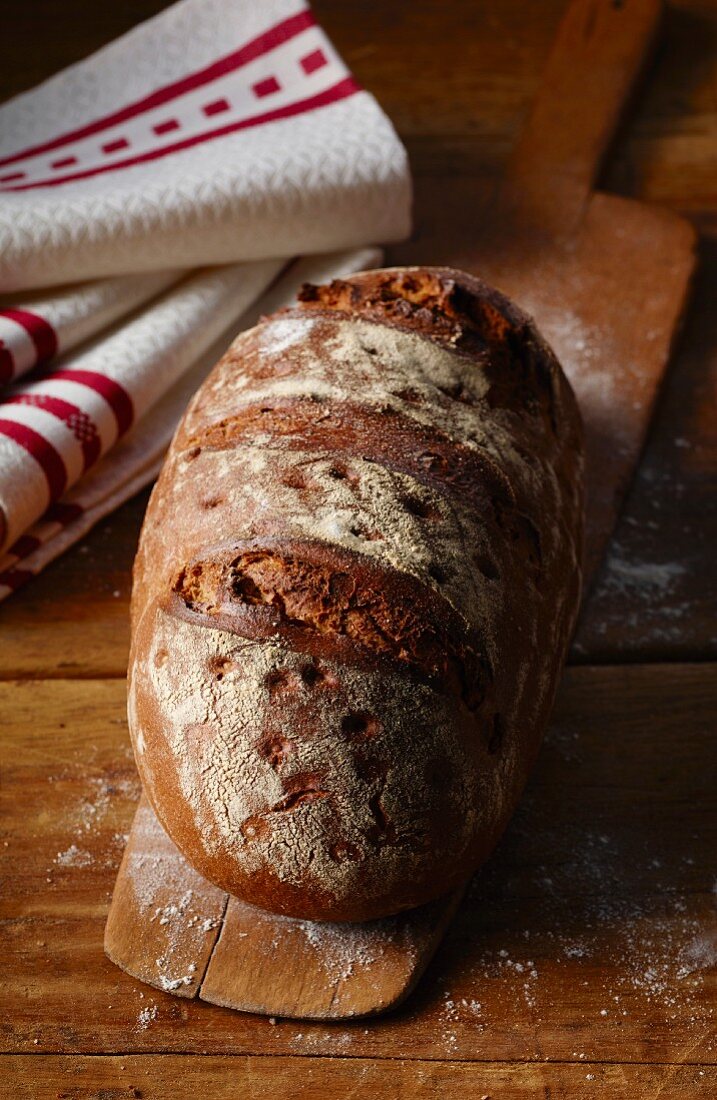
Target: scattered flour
340,949
170,895
145,1016
699,954
73,857
87,821
659,576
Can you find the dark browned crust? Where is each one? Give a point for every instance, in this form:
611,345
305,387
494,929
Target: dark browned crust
345,429
319,599
458,310
437,302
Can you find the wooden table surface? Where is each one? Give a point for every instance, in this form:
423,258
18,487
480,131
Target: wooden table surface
584,960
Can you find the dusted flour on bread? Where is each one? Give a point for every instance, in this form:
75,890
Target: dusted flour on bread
355,587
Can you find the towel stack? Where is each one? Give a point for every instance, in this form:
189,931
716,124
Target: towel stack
154,199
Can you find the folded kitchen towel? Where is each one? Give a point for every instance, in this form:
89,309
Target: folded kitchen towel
149,196
219,131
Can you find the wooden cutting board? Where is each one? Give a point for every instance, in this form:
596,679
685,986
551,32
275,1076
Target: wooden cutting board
606,279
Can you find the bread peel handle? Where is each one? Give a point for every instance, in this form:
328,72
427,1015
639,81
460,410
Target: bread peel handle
599,51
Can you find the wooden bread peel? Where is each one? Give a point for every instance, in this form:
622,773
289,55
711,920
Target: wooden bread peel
606,279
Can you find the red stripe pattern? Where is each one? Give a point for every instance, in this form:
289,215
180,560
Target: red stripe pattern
346,87
166,127
266,87
7,364
79,422
313,61
216,108
115,146
48,458
257,47
289,79
114,394
41,333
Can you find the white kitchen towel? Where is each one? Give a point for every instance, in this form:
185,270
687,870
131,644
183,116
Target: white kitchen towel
220,131
136,460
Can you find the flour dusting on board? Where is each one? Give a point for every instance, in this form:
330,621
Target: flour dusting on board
340,953
169,894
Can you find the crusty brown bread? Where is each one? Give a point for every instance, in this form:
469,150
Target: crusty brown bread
355,586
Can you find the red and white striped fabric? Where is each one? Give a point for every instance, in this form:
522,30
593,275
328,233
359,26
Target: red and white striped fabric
35,328
148,196
135,461
220,131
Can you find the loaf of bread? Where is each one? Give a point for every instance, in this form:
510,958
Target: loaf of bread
355,586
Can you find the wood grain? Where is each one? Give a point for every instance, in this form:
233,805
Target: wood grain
157,1077
590,74
165,919
599,898
305,970
656,591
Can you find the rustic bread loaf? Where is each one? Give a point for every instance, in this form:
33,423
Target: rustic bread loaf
355,586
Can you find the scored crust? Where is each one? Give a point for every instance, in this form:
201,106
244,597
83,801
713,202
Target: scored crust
354,590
